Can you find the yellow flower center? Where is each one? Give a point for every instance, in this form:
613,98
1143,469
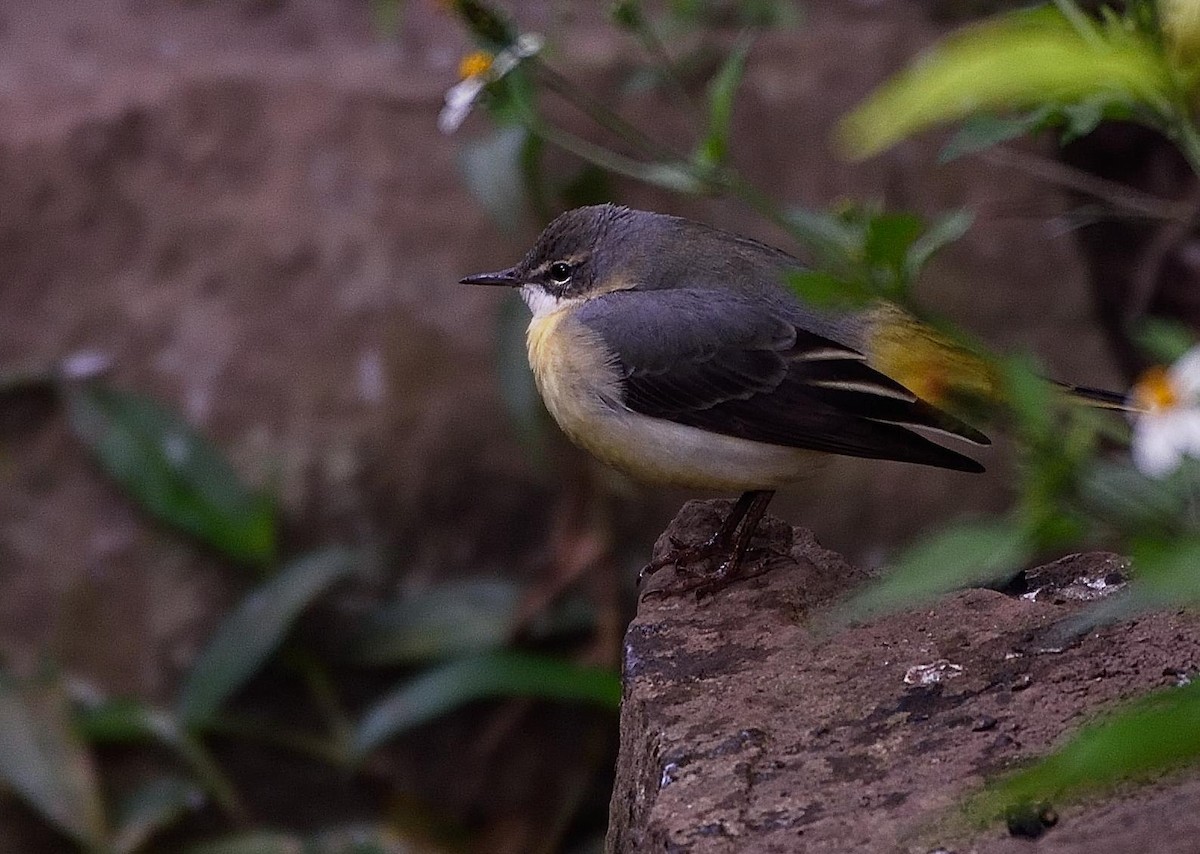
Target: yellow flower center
1154,391
475,64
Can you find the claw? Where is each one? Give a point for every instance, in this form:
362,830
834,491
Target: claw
730,543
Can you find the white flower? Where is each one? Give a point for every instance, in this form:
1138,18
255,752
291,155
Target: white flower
479,69
1166,429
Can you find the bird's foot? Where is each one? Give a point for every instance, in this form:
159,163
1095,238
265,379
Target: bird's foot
695,574
688,559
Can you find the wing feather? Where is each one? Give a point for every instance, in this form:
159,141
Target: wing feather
745,367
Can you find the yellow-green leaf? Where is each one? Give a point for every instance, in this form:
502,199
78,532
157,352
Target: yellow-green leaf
1019,61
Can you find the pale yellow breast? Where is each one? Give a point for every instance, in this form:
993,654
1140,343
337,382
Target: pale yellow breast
579,382
574,372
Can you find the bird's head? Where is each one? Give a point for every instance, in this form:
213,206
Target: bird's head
580,254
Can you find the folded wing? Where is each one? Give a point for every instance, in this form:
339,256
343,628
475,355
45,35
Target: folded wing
745,368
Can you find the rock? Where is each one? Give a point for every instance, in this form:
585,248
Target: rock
746,728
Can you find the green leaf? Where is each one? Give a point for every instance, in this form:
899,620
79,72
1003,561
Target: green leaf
450,619
965,555
830,237
670,176
722,89
246,638
254,842
441,621
1165,340
1155,734
888,238
1166,571
980,132
1133,502
151,809
172,471
43,760
493,171
1020,61
497,674
946,230
826,290
128,721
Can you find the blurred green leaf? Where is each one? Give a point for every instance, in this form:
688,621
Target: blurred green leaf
863,253
254,629
151,809
496,674
826,290
441,621
1072,121
1165,340
964,555
445,620
512,100
254,842
887,239
1155,734
671,177
492,168
980,132
1167,570
172,471
946,230
1131,501
128,721
829,236
1018,61
722,90
43,760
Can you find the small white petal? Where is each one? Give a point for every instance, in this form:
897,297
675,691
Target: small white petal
1154,454
1161,441
85,364
1185,376
459,99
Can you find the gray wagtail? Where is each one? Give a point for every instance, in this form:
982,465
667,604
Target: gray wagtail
675,353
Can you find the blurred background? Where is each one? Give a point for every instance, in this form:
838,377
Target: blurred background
242,216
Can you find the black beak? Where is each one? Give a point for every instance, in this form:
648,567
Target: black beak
505,278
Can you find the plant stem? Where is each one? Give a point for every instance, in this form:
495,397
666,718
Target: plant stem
602,115
658,52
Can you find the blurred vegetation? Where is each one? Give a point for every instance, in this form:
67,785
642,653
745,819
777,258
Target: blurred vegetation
1055,68
450,644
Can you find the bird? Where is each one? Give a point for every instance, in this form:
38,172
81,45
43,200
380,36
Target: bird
676,353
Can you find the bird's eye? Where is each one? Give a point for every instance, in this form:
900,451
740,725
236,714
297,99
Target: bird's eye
560,272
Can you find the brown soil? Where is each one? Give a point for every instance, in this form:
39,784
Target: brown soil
744,730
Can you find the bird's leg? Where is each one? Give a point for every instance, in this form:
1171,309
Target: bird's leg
731,568
731,541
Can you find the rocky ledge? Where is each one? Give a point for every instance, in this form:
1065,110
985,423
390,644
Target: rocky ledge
745,729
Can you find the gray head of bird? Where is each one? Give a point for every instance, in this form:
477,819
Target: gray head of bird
582,253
